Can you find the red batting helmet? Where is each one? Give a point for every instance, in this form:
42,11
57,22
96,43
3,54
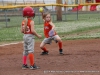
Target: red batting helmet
28,11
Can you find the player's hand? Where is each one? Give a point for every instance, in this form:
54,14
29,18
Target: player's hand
39,36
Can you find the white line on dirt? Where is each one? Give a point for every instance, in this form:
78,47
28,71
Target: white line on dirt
11,44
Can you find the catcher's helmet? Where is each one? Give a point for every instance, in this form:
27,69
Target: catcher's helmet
28,11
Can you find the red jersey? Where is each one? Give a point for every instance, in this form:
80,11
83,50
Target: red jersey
28,30
47,28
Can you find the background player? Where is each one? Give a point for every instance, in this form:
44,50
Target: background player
50,34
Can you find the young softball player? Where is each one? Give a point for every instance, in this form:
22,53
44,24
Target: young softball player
28,29
50,34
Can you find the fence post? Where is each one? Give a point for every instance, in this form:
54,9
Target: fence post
59,10
53,13
6,18
5,13
77,9
39,16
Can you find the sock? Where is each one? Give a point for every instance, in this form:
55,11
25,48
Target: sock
31,58
60,45
24,59
44,49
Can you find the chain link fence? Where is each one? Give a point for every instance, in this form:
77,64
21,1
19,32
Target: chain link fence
12,17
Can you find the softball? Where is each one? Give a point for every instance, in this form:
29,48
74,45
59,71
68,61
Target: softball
41,9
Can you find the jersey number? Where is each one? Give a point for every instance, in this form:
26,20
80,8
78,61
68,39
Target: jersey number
27,29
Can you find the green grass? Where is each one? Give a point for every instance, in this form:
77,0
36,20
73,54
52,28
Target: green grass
83,33
10,34
86,27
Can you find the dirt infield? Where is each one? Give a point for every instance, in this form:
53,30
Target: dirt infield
81,57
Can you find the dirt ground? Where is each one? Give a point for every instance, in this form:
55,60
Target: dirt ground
81,57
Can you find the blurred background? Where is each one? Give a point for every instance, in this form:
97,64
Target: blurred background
70,11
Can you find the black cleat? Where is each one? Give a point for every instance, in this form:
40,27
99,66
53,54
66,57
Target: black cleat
60,51
34,67
44,53
24,66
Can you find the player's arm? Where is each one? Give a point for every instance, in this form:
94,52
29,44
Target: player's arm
42,16
22,31
52,24
33,30
22,27
52,31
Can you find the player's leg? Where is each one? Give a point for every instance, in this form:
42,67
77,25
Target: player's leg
31,42
42,46
45,51
25,66
59,41
32,62
25,53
